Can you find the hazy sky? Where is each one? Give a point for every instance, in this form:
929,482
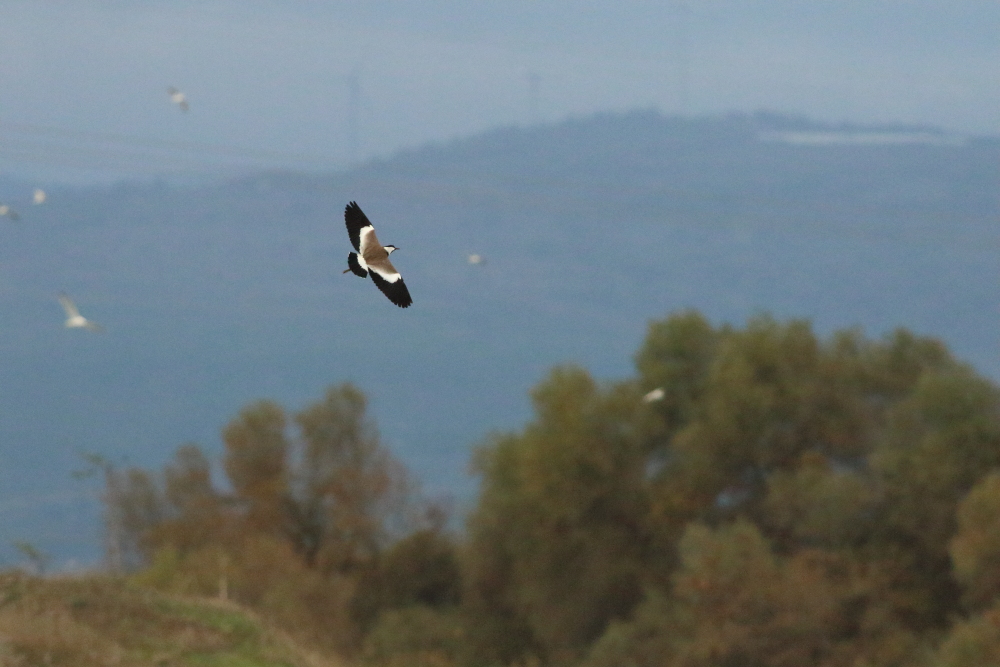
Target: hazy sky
309,84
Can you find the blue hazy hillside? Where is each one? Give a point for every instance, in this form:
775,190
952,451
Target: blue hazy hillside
214,296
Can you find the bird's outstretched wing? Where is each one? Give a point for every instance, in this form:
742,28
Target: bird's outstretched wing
68,305
387,279
356,221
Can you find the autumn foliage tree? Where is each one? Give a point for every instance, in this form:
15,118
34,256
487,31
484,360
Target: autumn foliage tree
561,504
789,499
314,500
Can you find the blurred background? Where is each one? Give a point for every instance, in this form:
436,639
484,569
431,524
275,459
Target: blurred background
557,178
321,86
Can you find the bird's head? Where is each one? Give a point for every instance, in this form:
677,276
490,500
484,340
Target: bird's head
390,248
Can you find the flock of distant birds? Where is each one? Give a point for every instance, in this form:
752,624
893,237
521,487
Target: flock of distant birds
370,259
37,198
74,320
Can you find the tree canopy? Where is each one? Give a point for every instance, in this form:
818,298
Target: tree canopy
784,499
789,500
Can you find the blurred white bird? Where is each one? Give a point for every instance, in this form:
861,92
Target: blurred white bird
178,98
74,320
9,212
476,259
39,196
655,395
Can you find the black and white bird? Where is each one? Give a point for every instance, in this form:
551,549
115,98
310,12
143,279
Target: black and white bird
372,258
74,320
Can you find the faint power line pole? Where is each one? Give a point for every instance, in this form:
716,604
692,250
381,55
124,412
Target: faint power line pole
353,116
533,83
682,22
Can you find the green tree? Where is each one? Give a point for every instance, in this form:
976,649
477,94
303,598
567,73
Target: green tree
194,513
818,504
974,642
741,604
561,504
332,489
734,601
256,463
845,456
763,400
316,502
675,357
420,569
975,548
348,490
416,636
939,440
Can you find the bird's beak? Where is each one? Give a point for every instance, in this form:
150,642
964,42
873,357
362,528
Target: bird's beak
345,270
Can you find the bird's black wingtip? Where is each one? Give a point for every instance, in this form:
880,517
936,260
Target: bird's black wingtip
397,293
396,290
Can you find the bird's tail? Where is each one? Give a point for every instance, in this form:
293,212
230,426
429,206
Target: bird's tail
354,266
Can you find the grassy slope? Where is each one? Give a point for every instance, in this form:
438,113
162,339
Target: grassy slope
102,621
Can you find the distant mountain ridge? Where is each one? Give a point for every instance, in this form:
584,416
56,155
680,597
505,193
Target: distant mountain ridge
216,295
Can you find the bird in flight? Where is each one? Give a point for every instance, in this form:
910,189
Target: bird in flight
178,98
74,320
372,257
656,395
9,212
38,197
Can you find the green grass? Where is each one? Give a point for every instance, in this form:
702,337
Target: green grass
98,620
